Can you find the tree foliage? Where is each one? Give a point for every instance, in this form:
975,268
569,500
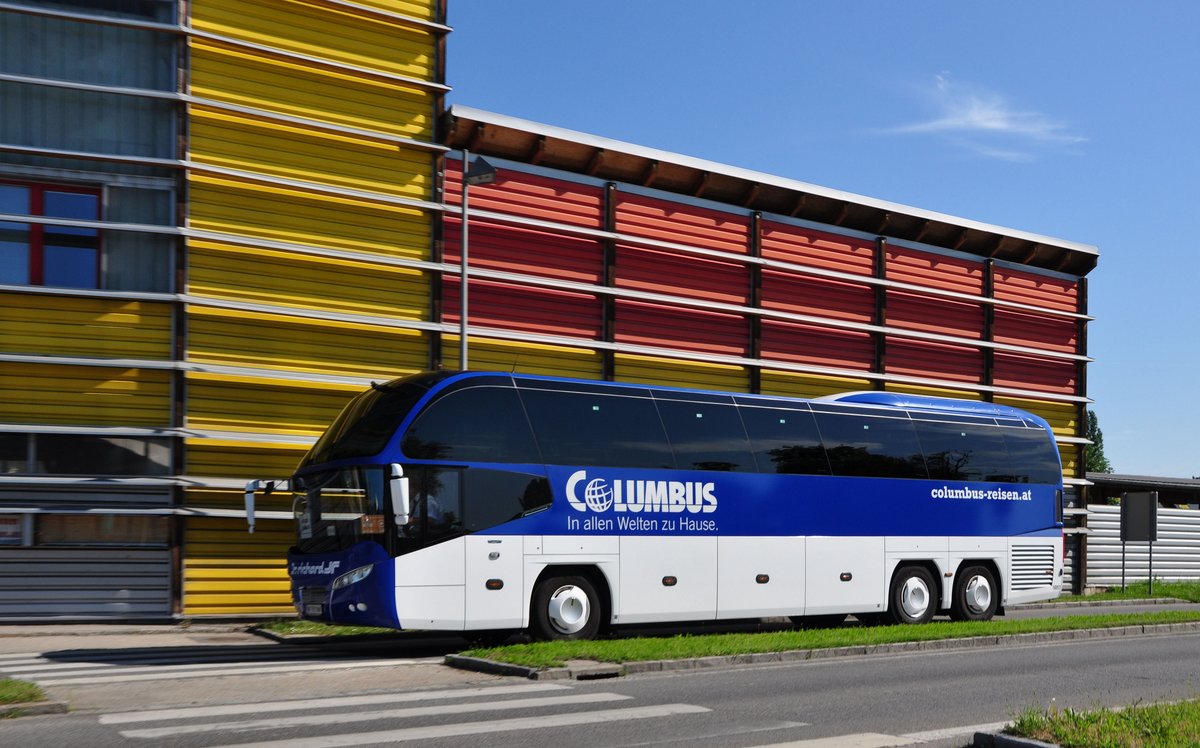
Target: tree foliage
1097,462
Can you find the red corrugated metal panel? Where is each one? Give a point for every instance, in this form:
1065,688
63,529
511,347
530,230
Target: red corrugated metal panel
1037,374
935,271
531,196
684,329
935,315
526,309
515,249
798,294
808,344
922,358
1039,290
804,246
1035,330
682,275
692,225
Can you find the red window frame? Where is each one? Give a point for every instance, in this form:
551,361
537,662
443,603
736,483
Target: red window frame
37,231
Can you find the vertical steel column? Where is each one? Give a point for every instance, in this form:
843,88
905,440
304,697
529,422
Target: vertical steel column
880,364
464,268
989,325
755,326
609,303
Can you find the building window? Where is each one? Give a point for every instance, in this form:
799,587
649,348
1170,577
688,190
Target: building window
84,455
39,254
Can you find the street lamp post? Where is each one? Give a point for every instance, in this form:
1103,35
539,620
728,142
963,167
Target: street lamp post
481,172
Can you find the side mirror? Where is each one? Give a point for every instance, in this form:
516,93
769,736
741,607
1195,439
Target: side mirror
398,488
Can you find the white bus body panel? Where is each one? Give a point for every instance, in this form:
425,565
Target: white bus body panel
742,560
645,561
495,557
827,559
429,587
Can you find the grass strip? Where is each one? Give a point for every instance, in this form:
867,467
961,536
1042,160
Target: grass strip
1161,725
13,691
686,646
1189,591
285,627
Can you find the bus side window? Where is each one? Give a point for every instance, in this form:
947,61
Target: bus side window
592,428
1035,455
479,424
493,497
706,436
965,451
785,441
870,446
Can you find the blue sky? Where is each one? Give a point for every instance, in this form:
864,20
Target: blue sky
1072,119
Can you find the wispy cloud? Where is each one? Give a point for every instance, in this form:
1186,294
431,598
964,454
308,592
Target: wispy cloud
986,123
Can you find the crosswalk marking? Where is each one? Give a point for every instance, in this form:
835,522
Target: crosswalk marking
228,710
351,717
173,673
573,719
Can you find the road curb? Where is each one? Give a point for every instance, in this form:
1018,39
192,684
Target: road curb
587,670
1000,740
32,708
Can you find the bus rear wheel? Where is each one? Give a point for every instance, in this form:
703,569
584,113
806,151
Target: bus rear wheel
913,597
565,608
975,597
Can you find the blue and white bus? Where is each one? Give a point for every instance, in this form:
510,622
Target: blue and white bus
488,502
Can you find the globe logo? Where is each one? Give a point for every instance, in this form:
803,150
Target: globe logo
598,495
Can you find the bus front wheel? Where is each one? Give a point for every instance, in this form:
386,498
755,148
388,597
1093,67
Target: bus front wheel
566,608
975,595
913,596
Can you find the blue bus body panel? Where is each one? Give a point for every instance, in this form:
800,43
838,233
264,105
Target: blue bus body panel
376,592
603,501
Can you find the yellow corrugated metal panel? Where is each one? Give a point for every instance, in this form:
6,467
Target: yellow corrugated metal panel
214,458
264,276
317,29
912,389
220,403
76,326
288,215
524,358
246,143
271,341
792,384
677,373
292,87
227,571
425,11
1062,417
1070,458
84,395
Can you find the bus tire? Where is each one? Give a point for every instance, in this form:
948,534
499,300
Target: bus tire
913,597
975,595
565,608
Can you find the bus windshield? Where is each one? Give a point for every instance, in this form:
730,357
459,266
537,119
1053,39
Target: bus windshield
337,509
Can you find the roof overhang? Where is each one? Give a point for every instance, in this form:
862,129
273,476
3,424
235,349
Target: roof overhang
491,134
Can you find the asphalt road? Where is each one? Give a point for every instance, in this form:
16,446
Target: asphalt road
251,692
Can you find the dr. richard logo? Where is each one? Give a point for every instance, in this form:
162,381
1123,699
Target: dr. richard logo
661,496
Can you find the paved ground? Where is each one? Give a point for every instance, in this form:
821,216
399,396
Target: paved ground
99,667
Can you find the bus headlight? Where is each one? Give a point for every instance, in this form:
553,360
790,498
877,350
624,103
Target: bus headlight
352,577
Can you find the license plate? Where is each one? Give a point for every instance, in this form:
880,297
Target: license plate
312,610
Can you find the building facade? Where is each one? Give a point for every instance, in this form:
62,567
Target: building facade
217,219
221,218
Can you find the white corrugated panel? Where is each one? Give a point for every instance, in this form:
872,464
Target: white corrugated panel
1176,552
